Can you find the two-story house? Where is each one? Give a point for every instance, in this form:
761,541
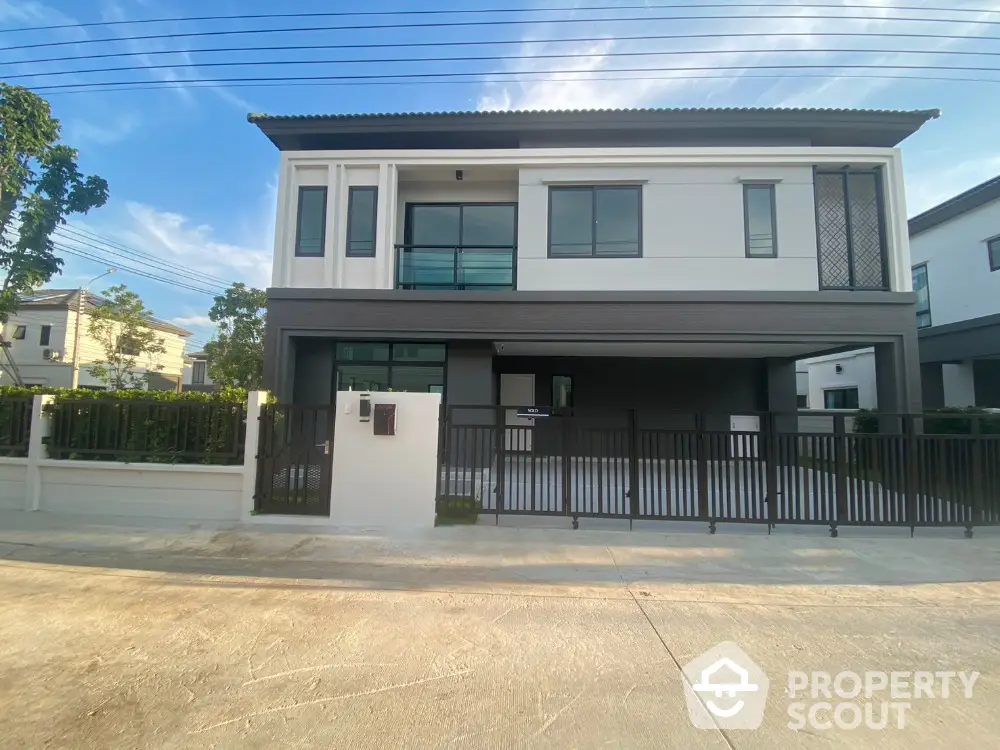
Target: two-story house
46,344
655,259
955,251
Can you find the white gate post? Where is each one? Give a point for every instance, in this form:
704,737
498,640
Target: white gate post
255,400
40,429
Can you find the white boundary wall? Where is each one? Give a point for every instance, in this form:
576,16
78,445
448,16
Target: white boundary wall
379,482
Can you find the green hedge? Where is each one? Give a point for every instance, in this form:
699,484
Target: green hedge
950,421
223,396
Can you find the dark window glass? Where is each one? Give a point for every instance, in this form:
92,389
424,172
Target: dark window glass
759,215
20,332
43,340
993,246
362,203
418,352
436,225
310,234
488,225
595,221
414,379
360,351
562,393
802,401
922,290
841,398
362,378
198,370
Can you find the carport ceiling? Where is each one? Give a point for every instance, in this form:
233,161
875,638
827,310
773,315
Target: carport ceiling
744,350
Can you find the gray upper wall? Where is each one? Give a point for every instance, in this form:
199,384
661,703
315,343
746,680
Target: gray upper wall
593,128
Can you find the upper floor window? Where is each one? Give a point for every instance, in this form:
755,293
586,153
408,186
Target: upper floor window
198,370
601,221
923,291
20,332
850,229
310,230
760,221
993,247
361,221
43,339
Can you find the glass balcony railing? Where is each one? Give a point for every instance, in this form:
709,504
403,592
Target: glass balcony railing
446,267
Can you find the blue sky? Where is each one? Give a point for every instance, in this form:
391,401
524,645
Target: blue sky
194,184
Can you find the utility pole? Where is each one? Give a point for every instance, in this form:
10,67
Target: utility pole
80,303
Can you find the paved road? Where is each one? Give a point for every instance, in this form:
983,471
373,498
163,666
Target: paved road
469,637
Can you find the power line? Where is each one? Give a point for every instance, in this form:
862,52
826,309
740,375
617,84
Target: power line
195,84
523,74
128,269
176,271
117,246
476,43
484,11
494,58
492,23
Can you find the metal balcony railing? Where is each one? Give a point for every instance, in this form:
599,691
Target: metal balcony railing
442,267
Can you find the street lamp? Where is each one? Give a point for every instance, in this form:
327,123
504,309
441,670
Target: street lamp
81,301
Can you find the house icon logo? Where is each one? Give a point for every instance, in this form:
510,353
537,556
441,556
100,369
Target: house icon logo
725,689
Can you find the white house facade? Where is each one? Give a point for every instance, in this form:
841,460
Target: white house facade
42,338
653,259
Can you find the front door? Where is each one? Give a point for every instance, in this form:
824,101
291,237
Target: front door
517,389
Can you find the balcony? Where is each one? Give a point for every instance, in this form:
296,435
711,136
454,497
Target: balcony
450,267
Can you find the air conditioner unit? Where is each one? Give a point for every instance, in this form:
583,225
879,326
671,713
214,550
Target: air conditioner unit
52,355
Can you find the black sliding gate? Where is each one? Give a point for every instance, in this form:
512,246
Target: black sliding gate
697,467
295,460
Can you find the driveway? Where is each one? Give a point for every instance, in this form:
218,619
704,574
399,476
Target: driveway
115,636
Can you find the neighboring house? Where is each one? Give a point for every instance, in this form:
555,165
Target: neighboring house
842,381
42,336
196,374
955,251
660,260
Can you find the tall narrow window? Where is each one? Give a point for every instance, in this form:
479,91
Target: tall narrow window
43,340
760,224
562,393
601,222
198,370
310,232
920,286
362,203
993,248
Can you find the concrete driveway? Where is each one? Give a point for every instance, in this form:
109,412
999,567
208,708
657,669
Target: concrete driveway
463,637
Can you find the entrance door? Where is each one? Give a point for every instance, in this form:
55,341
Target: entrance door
517,390
295,460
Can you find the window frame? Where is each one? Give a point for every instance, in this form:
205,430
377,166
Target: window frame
199,374
45,335
927,284
351,192
993,252
838,389
19,329
392,362
769,186
303,189
593,219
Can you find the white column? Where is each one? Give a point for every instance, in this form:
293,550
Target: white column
959,384
255,400
897,229
284,226
40,429
335,227
385,230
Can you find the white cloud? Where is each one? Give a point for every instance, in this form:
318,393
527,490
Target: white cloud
725,58
116,128
192,321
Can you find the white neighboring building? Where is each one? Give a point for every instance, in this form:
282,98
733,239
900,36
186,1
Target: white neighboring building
196,373
955,250
42,335
842,381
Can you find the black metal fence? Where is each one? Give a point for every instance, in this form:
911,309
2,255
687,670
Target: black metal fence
691,468
15,426
147,431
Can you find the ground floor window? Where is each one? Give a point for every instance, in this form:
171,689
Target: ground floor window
374,366
840,398
562,393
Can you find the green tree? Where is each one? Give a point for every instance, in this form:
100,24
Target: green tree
121,326
39,186
236,354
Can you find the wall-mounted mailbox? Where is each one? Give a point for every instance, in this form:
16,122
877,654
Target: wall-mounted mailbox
385,419
365,408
